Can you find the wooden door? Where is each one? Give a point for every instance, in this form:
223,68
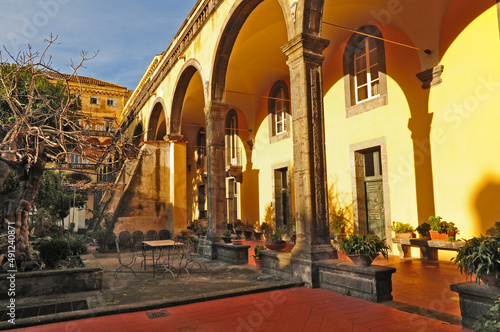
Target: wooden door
374,193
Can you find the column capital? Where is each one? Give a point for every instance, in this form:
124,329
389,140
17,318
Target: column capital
173,138
216,108
431,77
305,45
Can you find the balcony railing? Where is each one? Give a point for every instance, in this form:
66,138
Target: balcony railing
98,133
81,166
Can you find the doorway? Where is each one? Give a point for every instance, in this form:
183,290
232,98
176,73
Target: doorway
371,204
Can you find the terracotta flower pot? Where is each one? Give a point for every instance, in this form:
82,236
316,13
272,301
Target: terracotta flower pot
258,264
435,235
405,235
361,260
275,246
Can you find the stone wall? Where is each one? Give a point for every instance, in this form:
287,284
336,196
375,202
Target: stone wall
373,283
49,282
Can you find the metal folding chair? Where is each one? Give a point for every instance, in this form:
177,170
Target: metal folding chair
124,265
176,259
196,256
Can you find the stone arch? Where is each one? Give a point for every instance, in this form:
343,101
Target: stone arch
138,135
458,16
231,28
309,15
187,72
154,118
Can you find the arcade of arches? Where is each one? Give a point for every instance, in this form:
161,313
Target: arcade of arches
376,108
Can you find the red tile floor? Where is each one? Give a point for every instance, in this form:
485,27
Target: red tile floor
296,309
301,309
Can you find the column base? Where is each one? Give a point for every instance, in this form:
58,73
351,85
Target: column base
304,265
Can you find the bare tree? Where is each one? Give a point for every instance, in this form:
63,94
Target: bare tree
38,125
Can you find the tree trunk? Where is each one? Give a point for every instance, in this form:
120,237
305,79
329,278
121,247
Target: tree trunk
29,181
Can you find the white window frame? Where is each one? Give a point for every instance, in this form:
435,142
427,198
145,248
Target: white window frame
368,66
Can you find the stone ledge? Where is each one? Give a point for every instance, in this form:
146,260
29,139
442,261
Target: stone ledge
277,264
373,283
47,282
475,300
232,254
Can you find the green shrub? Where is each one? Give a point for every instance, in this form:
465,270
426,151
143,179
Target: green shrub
52,251
399,227
423,229
364,244
76,244
47,228
489,322
258,248
478,256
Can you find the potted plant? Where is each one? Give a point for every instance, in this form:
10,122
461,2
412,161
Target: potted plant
362,249
227,236
238,227
480,256
185,232
451,231
257,232
248,231
258,261
423,230
437,231
274,239
98,236
402,231
238,240
338,220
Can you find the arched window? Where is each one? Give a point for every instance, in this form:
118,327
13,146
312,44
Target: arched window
138,135
201,148
279,112
364,71
232,139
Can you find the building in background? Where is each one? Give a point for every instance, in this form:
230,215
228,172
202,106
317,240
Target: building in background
101,104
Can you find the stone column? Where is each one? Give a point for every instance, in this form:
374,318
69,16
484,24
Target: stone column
215,115
311,190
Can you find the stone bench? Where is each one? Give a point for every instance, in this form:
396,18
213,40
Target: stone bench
428,248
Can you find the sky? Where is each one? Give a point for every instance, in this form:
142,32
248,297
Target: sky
127,34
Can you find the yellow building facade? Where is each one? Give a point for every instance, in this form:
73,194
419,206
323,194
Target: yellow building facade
101,104
387,105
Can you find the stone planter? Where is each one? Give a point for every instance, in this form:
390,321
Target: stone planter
226,239
275,246
248,234
489,279
372,283
49,282
475,300
361,260
231,254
